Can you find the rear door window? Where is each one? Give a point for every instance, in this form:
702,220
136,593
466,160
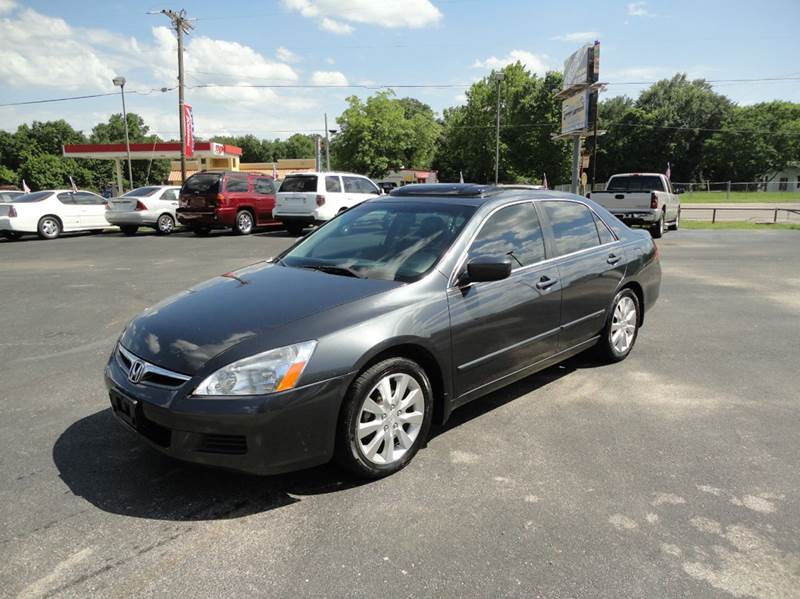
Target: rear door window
300,184
513,232
264,186
202,183
573,226
236,184
333,184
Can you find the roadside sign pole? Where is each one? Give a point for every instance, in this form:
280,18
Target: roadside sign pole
576,163
327,146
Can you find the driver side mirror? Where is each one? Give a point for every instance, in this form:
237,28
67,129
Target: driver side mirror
481,270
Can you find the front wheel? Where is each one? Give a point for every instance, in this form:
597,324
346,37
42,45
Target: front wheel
622,327
165,224
129,230
385,418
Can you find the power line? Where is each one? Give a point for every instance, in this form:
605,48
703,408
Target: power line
85,97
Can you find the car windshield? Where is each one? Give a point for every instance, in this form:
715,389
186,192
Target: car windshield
141,192
392,241
300,183
203,183
36,196
635,183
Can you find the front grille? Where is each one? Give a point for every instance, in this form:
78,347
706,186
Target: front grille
227,444
152,374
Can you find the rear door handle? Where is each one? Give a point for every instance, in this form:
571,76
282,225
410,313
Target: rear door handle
613,258
546,282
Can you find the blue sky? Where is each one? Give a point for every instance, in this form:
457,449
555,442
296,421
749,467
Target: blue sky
53,49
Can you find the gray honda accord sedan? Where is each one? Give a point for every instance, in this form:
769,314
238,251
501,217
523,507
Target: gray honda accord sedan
353,341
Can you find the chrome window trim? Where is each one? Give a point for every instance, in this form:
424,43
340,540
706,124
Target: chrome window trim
149,368
452,279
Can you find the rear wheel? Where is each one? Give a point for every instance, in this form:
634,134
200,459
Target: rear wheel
385,418
622,327
165,224
244,223
657,230
129,230
674,226
49,227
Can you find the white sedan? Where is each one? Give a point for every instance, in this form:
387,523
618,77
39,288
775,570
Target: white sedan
50,213
150,206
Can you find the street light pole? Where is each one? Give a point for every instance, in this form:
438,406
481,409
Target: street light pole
120,82
499,78
327,146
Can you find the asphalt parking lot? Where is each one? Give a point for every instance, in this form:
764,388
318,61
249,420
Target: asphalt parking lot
674,473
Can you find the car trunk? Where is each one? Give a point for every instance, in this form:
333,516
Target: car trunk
122,204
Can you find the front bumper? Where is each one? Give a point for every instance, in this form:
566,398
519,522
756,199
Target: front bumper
258,435
638,217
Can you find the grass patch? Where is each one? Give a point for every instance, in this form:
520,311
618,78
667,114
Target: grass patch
739,197
737,224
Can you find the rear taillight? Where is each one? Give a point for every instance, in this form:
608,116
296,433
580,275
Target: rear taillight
12,211
220,199
320,200
653,200
140,206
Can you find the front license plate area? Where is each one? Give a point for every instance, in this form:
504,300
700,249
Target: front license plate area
124,408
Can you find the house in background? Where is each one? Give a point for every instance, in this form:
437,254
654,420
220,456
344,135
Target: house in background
787,179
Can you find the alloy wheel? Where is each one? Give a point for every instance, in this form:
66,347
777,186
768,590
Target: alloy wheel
390,419
165,224
49,228
623,325
244,222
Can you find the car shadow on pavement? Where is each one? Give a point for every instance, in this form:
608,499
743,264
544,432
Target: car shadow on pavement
115,471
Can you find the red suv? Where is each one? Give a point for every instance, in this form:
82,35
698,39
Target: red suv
216,199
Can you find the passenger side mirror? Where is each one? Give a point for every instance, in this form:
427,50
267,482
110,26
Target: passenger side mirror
482,270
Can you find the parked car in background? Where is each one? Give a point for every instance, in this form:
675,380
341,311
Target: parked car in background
313,198
151,206
241,201
387,186
642,199
8,195
352,341
52,212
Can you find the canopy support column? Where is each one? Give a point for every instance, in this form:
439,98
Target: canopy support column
118,170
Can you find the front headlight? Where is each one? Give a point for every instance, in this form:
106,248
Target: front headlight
274,370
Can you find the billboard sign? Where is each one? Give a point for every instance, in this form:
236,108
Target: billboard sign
575,112
582,67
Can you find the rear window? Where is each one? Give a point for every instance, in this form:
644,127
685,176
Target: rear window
300,184
141,192
36,196
635,183
8,196
202,183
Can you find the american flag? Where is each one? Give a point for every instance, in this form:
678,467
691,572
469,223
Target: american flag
668,174
25,187
544,181
460,177
72,182
274,171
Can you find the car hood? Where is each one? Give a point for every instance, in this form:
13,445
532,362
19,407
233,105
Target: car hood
185,331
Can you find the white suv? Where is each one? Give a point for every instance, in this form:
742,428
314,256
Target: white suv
311,198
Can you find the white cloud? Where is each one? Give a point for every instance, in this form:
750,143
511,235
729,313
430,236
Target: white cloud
330,60
638,9
286,55
536,63
328,78
577,36
6,6
411,14
336,27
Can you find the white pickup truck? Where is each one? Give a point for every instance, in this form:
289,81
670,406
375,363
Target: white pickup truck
642,199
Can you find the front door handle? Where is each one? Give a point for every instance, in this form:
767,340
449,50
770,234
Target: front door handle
546,282
613,258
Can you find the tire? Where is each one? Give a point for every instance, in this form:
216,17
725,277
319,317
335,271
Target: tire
674,226
11,235
49,227
201,231
245,223
129,230
96,231
370,455
622,327
165,224
657,230
295,230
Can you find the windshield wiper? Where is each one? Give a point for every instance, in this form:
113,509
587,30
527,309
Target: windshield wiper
333,270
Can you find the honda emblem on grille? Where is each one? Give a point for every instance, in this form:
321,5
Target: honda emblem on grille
136,371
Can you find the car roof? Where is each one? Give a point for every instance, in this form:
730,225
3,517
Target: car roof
323,173
473,194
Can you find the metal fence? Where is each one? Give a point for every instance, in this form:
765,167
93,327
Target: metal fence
721,187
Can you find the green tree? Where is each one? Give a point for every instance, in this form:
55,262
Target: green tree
755,141
48,171
7,176
298,145
376,136
529,115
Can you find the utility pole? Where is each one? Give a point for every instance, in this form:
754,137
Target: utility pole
327,146
182,25
499,78
317,157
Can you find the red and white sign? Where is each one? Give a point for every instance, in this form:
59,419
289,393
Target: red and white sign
188,127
